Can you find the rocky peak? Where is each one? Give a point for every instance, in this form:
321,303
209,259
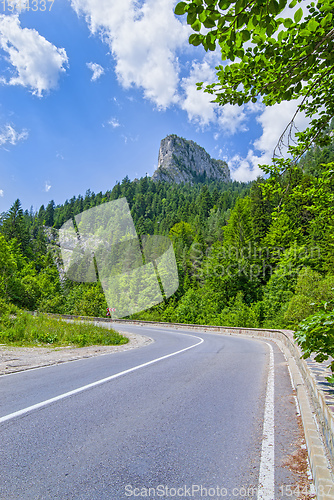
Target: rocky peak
181,160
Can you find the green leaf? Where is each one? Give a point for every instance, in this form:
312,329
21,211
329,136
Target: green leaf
245,35
192,9
195,39
330,379
304,32
292,4
241,20
215,15
209,23
202,16
312,25
210,41
196,26
224,4
274,7
239,6
287,22
326,20
257,39
180,8
269,30
254,21
191,18
298,15
280,36
282,4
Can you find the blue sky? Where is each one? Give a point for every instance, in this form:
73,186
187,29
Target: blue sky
88,88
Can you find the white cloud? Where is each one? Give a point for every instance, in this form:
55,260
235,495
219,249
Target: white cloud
255,107
129,138
232,118
143,38
273,120
47,186
97,70
229,118
8,135
114,122
246,169
37,62
196,102
2,193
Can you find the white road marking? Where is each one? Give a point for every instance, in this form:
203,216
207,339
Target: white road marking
266,488
291,379
94,384
55,365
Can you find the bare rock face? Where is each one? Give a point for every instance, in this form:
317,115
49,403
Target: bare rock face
185,161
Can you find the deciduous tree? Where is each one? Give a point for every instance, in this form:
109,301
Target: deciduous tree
275,55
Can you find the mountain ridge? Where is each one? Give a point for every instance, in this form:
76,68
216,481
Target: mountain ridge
182,160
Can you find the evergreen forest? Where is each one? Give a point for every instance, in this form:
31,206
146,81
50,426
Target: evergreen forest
257,254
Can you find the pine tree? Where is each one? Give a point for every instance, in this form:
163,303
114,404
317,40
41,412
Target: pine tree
14,226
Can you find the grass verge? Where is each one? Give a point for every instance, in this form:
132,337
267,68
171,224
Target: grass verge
19,328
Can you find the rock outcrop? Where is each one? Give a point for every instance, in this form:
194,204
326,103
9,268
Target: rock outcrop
181,160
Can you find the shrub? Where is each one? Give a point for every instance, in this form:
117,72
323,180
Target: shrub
23,328
311,289
316,335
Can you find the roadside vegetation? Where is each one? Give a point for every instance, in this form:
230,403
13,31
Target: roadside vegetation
278,51
19,328
248,255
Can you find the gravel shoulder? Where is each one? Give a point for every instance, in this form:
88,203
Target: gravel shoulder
15,359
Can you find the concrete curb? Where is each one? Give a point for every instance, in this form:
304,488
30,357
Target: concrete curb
304,382
320,467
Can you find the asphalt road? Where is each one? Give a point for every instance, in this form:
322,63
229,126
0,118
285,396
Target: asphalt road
180,418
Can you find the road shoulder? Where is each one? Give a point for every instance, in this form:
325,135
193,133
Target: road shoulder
15,359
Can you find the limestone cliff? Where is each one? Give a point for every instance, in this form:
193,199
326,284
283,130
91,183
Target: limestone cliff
181,160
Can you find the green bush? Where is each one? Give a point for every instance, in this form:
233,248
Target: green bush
86,300
6,309
238,314
22,328
316,335
311,289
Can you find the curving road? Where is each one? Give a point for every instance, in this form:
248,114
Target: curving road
191,415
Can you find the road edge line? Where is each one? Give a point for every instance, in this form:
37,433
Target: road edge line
47,402
266,484
322,470
320,466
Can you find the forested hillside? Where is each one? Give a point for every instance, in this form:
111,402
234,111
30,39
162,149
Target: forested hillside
29,277
256,255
